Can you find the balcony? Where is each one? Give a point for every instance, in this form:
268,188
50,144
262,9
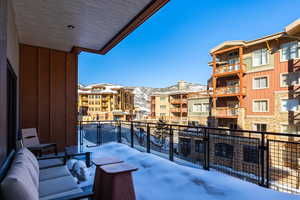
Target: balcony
228,69
229,91
226,112
178,110
178,101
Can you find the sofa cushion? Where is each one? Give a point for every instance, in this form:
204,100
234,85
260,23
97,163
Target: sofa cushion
23,161
54,172
57,185
18,184
43,164
62,194
30,156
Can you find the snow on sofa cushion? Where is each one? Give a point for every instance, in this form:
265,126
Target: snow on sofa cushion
18,184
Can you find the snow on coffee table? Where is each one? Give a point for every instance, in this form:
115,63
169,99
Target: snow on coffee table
161,179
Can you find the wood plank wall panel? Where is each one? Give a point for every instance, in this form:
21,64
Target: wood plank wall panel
3,72
29,86
49,80
44,94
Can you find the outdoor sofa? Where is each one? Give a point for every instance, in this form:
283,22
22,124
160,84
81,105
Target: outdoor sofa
22,178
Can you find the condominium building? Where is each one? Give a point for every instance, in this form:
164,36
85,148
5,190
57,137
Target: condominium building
172,106
199,104
255,83
105,102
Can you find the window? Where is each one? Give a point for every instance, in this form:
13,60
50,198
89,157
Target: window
185,146
260,82
233,64
260,57
260,106
199,146
289,51
162,114
197,108
250,154
162,98
290,79
163,107
260,127
224,150
289,105
201,107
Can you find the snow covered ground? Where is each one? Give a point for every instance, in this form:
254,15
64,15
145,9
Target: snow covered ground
161,179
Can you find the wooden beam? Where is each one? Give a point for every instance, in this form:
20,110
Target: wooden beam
226,50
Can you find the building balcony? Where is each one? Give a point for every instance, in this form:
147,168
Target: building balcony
178,101
228,70
229,91
178,110
226,112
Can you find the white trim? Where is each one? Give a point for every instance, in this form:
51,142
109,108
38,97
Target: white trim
259,116
253,100
262,76
260,69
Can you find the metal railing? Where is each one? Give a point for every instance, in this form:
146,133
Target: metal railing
265,158
227,111
228,68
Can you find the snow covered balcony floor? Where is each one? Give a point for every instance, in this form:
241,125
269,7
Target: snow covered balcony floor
161,179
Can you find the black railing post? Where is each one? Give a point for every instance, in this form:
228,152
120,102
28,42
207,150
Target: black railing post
80,134
148,138
131,135
268,166
171,144
98,135
119,132
206,149
262,160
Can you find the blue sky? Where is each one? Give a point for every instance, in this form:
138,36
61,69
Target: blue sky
174,43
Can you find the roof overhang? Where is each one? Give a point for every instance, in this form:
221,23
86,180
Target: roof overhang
96,25
292,31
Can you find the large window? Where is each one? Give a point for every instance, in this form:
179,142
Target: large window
260,57
260,82
290,79
224,150
289,105
260,127
260,106
289,51
250,154
201,107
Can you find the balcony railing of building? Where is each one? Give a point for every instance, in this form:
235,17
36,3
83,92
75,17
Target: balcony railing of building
226,69
178,101
178,110
229,91
265,158
226,112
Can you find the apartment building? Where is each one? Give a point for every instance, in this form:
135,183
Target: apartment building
172,106
255,83
199,108
105,102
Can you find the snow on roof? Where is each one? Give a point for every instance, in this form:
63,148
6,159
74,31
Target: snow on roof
160,179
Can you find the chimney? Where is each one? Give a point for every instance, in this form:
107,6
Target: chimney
181,85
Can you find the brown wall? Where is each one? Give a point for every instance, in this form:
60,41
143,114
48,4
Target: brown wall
3,73
48,80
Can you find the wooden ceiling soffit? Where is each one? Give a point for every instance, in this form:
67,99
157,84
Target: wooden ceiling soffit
146,13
